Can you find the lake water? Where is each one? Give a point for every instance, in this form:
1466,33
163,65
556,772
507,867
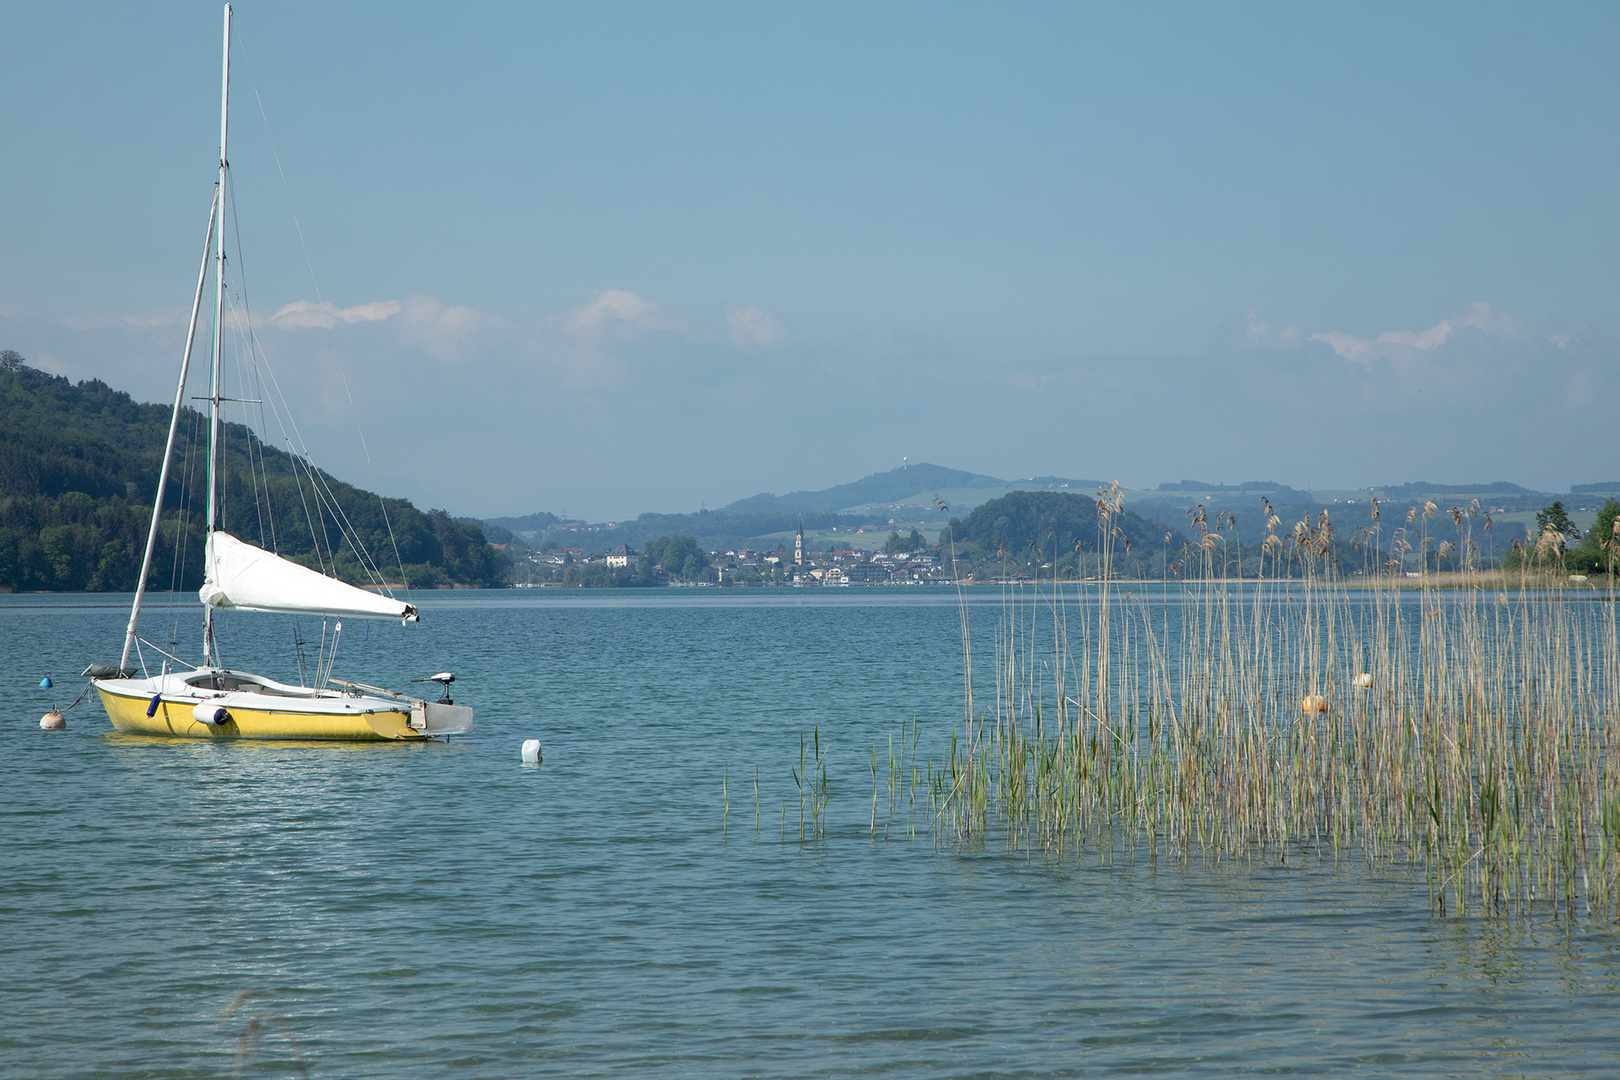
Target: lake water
446,910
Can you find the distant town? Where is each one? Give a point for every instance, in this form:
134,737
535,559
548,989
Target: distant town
906,560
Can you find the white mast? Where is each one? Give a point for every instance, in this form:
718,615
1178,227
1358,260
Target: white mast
219,323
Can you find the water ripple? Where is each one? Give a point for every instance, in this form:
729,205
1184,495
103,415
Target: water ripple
445,910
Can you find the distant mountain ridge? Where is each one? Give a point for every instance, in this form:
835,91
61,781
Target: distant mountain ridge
1495,487
917,485
1256,487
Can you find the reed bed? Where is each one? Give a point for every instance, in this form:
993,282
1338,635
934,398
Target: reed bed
1466,731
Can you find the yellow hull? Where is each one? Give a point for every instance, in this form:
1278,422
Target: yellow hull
174,718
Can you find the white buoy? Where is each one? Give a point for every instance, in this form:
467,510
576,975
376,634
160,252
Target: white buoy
53,721
1363,681
531,751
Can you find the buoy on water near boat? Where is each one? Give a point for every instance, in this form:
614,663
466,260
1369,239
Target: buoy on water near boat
52,721
531,751
45,683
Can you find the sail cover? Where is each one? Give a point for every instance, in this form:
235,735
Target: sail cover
242,576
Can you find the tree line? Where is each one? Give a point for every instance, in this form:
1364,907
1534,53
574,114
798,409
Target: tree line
1597,551
79,466
663,559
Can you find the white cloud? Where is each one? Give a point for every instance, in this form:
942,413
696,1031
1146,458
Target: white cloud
1409,345
576,344
449,332
1351,348
303,315
1480,316
433,312
755,328
618,313
1260,334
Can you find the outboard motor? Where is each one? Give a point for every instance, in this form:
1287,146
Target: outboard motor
444,679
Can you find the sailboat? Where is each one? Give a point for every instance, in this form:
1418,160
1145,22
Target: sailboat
210,701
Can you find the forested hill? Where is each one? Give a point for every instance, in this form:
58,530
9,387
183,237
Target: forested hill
78,472
1049,524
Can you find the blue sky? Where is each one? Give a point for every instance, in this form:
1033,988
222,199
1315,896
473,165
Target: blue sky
607,258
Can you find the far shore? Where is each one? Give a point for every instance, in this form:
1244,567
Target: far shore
1594,586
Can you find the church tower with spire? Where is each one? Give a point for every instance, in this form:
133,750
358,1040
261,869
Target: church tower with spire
798,546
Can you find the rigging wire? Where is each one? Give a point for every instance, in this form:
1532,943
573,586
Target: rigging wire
320,300
328,558
350,534
256,469
177,561
245,343
405,581
326,499
324,559
195,462
182,540
299,462
298,649
300,466
327,504
241,42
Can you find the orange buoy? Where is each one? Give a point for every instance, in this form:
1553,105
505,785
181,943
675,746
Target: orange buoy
1313,703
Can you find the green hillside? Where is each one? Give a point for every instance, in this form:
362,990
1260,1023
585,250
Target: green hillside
78,472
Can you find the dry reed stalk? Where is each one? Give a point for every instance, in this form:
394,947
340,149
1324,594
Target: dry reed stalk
1481,752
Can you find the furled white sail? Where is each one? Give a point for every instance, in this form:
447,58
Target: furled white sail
239,575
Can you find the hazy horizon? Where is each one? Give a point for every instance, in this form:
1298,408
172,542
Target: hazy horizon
1158,490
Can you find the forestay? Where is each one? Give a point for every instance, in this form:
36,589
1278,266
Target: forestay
249,578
